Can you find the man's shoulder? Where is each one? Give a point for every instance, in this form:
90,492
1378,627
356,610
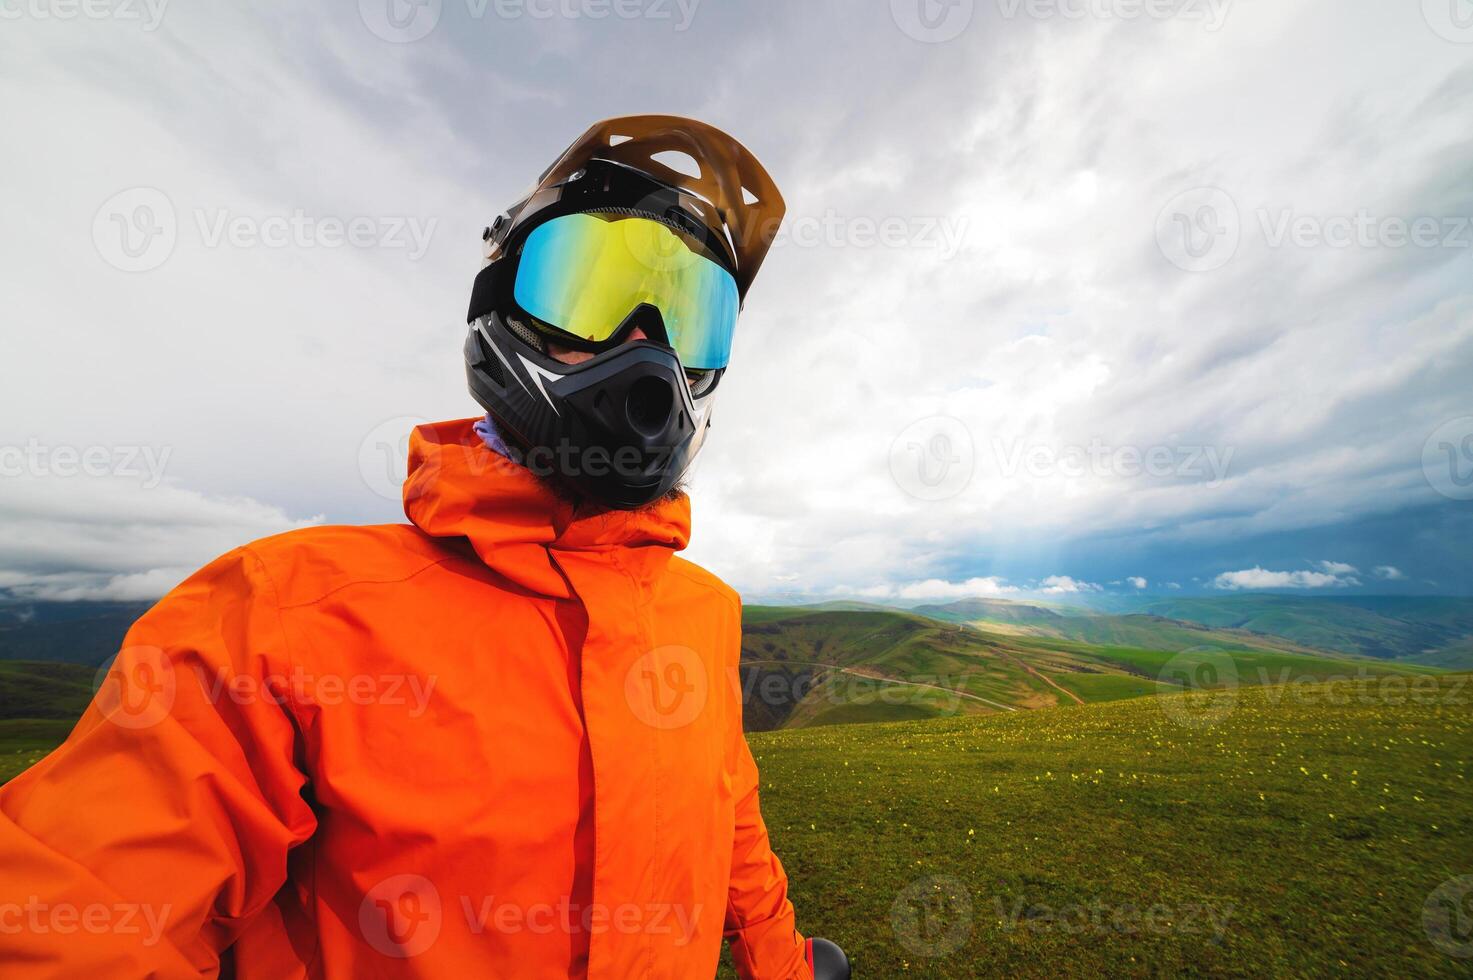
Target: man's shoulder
695,575
307,564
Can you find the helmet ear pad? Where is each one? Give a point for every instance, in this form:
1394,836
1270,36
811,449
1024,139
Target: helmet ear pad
620,427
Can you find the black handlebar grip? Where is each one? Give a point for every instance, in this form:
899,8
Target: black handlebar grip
827,960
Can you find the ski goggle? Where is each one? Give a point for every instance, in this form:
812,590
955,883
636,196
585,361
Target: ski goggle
583,274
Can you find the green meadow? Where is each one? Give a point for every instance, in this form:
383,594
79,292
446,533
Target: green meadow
1296,830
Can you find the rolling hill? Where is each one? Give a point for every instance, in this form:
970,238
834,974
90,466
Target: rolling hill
803,666
1428,630
71,632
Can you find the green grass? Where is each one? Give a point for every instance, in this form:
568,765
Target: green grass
1313,821
1108,687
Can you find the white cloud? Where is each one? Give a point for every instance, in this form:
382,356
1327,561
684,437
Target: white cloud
1137,582
1390,573
1337,567
934,589
1262,578
1063,584
111,537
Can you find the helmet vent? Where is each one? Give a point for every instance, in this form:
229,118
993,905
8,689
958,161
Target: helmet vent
678,161
527,335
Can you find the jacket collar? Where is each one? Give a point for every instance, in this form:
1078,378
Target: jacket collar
457,487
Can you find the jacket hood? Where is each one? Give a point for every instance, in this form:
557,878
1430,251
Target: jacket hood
457,487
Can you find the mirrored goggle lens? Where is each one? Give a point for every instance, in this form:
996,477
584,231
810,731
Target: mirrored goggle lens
585,273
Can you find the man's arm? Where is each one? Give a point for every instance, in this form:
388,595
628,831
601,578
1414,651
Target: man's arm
144,844
760,923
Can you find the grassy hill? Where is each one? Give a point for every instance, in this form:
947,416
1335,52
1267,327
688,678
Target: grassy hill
1295,836
803,666
1425,628
1429,630
39,704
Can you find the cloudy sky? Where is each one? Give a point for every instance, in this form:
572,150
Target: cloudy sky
1075,295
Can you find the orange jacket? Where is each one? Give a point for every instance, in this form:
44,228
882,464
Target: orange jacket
501,742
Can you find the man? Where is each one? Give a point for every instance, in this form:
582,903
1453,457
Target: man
501,741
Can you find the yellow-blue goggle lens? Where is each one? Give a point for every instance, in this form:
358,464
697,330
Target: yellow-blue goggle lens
585,273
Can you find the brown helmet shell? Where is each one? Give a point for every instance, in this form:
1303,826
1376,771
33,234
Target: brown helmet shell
747,207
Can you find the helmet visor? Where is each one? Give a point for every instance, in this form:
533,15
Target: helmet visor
585,273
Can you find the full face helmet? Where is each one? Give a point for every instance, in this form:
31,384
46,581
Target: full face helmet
636,248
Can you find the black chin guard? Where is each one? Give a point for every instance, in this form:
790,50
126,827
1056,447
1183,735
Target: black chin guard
620,428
